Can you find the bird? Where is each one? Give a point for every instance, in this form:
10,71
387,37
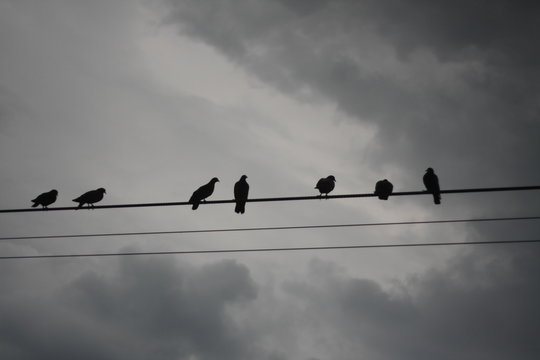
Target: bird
326,185
90,197
431,181
202,193
241,190
383,189
45,199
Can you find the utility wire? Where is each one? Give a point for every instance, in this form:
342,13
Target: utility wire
186,252
268,228
292,198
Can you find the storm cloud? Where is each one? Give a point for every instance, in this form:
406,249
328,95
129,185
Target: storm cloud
435,77
150,99
148,308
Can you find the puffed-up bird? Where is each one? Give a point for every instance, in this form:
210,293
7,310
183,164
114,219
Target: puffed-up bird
383,189
431,181
90,197
45,199
241,190
202,193
325,185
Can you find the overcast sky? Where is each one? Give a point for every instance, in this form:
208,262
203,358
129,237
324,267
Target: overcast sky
150,99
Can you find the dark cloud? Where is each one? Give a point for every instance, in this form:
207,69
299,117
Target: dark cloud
479,306
148,308
448,84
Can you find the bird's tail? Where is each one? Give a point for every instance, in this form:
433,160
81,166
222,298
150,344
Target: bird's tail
437,198
195,206
240,208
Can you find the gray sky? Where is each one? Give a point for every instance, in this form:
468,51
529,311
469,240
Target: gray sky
151,99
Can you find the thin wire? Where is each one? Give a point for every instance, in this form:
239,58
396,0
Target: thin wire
268,228
292,198
186,252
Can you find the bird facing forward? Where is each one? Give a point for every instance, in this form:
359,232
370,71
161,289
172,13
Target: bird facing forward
431,181
202,193
90,198
45,199
326,185
241,190
383,189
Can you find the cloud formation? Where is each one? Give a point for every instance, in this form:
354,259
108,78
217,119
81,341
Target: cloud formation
476,306
434,77
147,308
448,85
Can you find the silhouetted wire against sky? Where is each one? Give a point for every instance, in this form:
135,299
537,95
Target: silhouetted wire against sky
312,248
271,228
291,198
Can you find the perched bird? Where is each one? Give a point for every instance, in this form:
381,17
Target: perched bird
241,190
90,197
383,189
45,199
202,193
431,181
325,185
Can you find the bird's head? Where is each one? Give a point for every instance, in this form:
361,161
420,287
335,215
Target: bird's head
54,192
215,180
244,177
331,177
429,170
102,190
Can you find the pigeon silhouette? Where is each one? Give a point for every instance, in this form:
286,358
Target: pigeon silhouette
202,193
45,199
383,189
90,197
241,190
431,181
325,185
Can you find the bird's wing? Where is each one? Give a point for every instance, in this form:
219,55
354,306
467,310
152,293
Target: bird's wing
39,198
241,189
378,187
436,186
237,190
203,192
86,197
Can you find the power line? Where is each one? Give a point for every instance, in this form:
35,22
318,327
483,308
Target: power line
314,248
272,228
292,198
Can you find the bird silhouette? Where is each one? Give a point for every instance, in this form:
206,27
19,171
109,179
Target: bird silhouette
241,190
90,197
431,181
45,199
325,185
202,193
383,189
